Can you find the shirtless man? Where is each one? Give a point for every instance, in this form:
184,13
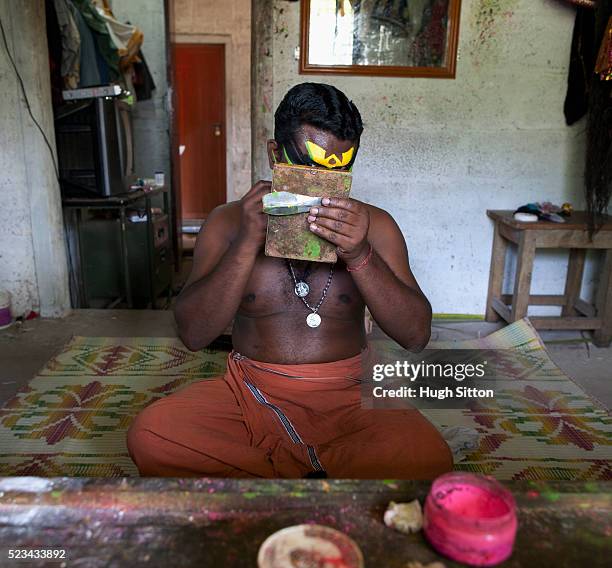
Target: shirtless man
258,420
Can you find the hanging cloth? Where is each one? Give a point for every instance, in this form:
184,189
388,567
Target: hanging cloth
104,43
603,65
582,61
71,44
598,171
126,38
142,79
90,65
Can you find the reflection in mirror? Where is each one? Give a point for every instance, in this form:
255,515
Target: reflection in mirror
382,33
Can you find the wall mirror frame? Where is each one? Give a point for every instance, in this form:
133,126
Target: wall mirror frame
394,38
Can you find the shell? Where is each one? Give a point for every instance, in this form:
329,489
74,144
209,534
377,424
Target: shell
404,517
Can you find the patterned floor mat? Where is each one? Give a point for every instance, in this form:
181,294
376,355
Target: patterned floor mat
72,417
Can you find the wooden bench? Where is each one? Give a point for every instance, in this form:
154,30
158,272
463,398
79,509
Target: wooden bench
573,235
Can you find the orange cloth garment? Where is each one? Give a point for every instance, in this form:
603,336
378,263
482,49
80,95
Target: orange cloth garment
284,421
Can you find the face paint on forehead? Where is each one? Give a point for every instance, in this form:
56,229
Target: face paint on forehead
318,155
293,156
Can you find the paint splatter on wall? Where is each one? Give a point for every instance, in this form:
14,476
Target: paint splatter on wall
490,19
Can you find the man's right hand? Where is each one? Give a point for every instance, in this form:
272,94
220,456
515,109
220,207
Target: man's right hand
253,221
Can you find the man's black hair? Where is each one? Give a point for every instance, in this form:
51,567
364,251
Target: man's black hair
321,106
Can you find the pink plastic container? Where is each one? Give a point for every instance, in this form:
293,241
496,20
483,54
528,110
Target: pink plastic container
470,518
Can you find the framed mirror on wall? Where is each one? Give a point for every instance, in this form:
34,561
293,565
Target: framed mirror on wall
401,38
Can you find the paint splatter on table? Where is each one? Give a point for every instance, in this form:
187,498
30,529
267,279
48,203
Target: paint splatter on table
204,522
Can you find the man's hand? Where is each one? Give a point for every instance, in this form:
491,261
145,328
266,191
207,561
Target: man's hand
344,223
253,221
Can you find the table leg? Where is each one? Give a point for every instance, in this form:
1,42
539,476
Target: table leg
124,257
172,260
603,337
150,250
573,283
524,269
496,273
83,297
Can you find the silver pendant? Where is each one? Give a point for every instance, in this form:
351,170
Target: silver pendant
313,320
301,289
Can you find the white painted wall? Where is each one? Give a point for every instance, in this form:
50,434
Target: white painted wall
33,265
438,153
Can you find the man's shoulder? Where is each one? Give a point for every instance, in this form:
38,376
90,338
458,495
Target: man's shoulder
225,217
227,211
384,231
380,218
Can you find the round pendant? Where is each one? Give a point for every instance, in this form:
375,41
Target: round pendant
313,320
301,289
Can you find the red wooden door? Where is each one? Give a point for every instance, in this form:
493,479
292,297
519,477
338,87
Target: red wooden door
200,118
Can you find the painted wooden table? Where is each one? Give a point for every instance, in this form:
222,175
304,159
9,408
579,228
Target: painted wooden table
221,523
572,235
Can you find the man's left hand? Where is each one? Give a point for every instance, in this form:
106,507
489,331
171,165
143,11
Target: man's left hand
344,223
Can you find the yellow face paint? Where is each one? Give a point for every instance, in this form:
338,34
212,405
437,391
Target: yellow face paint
317,155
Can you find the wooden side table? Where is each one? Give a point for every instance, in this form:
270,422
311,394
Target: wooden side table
572,235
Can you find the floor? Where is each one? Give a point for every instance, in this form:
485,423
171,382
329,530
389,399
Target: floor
25,348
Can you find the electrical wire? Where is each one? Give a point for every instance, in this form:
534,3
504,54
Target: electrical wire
27,102
71,272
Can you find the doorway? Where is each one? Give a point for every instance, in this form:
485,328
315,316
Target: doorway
200,129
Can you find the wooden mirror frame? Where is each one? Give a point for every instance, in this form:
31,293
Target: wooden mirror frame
447,72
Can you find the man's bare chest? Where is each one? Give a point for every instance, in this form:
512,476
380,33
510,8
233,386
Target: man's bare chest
271,289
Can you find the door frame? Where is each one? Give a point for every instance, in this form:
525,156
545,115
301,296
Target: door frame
175,178
230,135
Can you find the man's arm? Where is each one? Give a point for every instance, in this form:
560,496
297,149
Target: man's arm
222,264
384,278
389,288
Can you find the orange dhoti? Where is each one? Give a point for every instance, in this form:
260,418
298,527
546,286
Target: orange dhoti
271,420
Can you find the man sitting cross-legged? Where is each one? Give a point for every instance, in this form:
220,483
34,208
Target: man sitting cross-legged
289,403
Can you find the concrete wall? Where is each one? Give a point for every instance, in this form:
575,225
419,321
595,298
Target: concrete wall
33,266
228,22
437,153
150,117
262,86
